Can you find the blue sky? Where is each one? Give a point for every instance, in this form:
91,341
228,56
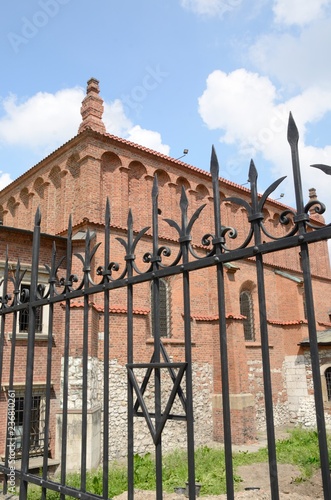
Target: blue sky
173,74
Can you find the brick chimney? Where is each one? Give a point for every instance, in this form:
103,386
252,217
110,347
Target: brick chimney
312,194
312,211
92,108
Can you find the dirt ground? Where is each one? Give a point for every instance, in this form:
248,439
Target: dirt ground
257,476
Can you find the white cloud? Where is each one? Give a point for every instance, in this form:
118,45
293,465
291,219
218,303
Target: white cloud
45,121
119,124
5,179
239,91
115,120
147,138
210,8
42,122
296,61
298,12
244,107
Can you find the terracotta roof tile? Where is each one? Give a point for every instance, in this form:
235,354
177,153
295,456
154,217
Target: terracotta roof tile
215,317
113,309
235,316
287,323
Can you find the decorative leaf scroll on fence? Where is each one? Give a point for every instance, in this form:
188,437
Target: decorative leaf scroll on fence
158,262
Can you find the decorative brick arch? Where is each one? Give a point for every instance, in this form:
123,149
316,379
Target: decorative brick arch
55,176
138,193
182,182
39,187
136,170
202,192
73,165
113,184
2,215
162,177
25,197
12,205
110,162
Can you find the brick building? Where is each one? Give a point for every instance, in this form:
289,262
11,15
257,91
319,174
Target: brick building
75,180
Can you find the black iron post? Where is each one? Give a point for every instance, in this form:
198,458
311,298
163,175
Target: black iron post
217,243
30,358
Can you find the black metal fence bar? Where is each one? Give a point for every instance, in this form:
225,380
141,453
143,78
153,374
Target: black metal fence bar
256,218
302,219
315,364
106,353
129,259
156,333
218,241
52,281
68,282
267,383
12,357
85,356
157,388
185,240
30,357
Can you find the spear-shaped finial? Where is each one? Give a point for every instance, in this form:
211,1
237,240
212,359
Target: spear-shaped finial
292,131
155,189
130,219
183,201
70,227
252,173
214,167
107,213
37,219
293,138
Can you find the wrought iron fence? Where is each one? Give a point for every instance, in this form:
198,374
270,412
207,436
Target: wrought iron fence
64,287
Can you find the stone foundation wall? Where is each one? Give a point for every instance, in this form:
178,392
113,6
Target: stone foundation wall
75,383
292,394
279,392
174,433
300,389
74,420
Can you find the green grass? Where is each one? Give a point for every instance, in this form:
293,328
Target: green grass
300,449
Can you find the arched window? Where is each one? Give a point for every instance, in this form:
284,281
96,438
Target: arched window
327,374
163,308
246,309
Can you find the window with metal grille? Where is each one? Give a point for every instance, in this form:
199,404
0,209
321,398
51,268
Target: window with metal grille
246,309
24,313
163,306
37,424
328,382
